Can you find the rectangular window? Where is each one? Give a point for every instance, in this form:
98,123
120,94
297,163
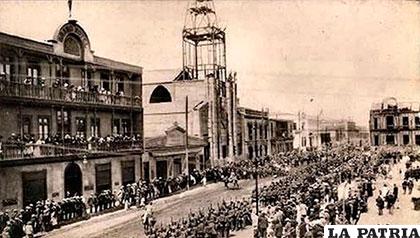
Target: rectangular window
265,131
34,186
126,127
81,127
405,123
43,127
33,74
128,172
417,139
103,177
224,151
390,139
120,85
63,72
417,122
90,82
389,122
406,139
116,127
250,131
271,129
5,69
63,122
375,123
95,126
26,124
376,140
105,82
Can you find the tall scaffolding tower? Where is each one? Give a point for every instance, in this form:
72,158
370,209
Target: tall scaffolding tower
204,43
204,58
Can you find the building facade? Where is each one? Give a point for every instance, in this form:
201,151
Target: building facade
165,155
394,123
260,135
71,121
307,132
281,135
254,133
315,131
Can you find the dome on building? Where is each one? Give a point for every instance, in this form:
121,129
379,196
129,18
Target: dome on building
389,102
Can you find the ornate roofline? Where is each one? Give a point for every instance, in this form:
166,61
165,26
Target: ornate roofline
47,48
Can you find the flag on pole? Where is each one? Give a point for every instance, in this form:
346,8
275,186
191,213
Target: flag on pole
70,4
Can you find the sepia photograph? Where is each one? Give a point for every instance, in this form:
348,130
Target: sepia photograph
209,118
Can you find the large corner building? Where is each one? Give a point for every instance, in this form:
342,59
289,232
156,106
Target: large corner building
394,123
71,122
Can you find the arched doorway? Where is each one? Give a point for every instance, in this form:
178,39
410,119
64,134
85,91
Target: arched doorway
72,180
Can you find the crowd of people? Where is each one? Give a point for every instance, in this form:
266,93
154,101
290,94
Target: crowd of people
71,92
42,216
64,89
308,201
28,146
303,199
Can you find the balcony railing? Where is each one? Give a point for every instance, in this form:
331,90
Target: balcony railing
21,150
14,89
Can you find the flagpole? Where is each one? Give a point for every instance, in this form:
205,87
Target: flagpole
186,144
70,2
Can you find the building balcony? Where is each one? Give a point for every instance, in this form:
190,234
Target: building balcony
396,129
18,150
73,95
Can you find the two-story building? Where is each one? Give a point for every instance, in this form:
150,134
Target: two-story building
394,123
281,135
260,135
253,133
71,121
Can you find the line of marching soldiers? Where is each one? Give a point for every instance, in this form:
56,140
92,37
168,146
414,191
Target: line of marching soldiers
215,222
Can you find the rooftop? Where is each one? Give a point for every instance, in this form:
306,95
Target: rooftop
47,47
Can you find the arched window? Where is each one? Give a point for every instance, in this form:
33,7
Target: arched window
160,94
72,46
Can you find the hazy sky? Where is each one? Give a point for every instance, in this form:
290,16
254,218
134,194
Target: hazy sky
343,54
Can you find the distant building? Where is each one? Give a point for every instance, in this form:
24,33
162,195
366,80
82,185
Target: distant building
260,135
71,121
253,133
394,123
281,135
341,131
315,131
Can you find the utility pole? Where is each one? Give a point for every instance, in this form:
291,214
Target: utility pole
299,131
256,166
318,135
186,144
256,185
